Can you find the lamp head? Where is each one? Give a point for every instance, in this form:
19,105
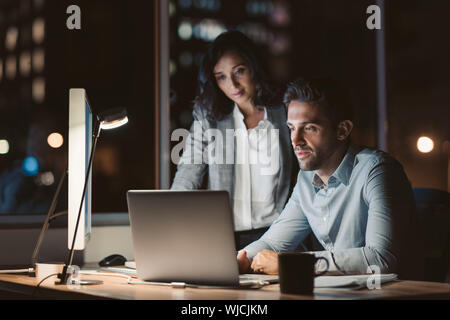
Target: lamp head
113,118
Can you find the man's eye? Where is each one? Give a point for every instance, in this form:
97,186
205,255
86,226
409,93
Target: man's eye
310,129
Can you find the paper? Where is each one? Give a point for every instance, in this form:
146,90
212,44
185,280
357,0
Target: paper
353,281
123,270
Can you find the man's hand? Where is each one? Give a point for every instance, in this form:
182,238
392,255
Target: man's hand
265,261
243,262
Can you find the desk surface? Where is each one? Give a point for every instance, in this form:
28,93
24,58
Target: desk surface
118,288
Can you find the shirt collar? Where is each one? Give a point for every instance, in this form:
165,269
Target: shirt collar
237,114
317,182
343,172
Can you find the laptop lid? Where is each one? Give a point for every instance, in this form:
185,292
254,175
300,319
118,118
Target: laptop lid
183,236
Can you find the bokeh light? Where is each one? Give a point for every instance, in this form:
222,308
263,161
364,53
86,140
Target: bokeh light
10,67
30,166
425,144
25,63
38,60
4,146
11,38
55,140
46,179
38,30
185,30
38,90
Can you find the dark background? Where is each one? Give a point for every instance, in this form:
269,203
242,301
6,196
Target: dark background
112,56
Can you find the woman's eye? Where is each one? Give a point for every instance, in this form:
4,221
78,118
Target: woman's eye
220,78
240,71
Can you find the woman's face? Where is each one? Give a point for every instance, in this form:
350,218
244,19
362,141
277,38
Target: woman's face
233,77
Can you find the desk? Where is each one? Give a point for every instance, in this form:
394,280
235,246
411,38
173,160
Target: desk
22,286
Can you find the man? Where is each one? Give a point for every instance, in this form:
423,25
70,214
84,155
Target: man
358,202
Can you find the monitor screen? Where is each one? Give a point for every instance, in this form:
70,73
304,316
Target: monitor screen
80,144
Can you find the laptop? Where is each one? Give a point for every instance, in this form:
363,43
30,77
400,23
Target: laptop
186,236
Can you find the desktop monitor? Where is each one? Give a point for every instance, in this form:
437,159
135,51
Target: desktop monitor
80,143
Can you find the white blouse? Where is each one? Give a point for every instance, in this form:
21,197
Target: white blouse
257,165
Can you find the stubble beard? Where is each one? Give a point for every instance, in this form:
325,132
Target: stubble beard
316,159
312,163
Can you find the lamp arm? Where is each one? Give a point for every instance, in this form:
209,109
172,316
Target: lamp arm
58,214
50,216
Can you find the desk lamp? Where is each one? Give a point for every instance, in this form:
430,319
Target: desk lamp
107,120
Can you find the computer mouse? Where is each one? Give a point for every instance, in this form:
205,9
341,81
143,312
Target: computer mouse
113,260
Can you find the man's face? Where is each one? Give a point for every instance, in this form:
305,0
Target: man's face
313,136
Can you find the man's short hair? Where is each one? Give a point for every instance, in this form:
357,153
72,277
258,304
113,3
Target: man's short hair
325,92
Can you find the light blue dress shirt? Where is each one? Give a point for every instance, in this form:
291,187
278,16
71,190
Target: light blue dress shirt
365,218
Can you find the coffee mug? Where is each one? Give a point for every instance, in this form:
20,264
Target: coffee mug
296,272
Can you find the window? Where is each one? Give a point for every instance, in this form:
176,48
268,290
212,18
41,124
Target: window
39,62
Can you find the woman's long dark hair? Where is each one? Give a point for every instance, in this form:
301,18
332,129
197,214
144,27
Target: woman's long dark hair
211,98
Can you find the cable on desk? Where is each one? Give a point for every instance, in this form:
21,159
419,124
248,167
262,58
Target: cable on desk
166,284
29,270
40,282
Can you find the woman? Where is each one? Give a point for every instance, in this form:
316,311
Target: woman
239,137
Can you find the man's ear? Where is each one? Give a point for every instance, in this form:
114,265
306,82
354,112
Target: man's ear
344,129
